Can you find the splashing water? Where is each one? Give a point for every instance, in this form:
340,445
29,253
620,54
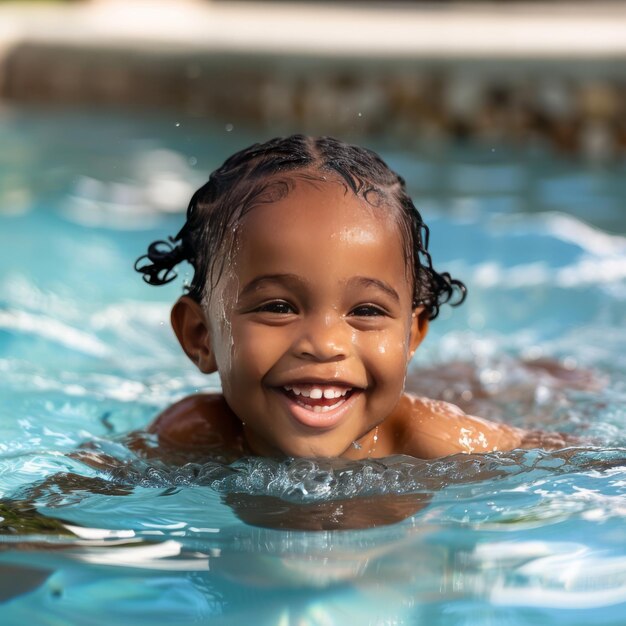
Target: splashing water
92,530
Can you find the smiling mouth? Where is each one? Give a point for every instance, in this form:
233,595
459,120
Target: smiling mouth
317,397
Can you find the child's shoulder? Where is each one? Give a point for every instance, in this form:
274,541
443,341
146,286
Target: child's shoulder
428,428
198,421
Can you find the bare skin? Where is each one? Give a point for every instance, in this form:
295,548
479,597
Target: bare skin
417,427
311,329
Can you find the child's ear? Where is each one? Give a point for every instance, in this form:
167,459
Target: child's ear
193,333
419,328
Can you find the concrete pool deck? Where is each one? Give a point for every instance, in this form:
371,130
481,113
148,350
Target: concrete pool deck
461,68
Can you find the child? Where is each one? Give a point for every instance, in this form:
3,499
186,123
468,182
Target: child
312,288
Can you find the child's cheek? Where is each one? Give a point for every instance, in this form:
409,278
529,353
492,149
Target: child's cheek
251,350
388,358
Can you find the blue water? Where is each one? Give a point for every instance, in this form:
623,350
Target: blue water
87,356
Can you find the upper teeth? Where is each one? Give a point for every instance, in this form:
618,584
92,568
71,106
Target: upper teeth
317,392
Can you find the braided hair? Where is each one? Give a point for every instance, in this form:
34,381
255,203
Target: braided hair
265,173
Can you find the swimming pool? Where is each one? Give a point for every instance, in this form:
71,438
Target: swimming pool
87,356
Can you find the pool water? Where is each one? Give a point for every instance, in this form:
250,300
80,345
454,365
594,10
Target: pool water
87,357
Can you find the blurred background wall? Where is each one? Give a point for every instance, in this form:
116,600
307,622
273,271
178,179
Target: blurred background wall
538,73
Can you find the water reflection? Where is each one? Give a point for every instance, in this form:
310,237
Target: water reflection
345,514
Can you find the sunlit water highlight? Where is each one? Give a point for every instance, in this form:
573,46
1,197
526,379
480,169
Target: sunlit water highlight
87,357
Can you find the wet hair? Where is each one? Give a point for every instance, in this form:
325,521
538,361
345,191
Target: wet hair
266,173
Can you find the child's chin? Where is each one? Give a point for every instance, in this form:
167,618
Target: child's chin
315,449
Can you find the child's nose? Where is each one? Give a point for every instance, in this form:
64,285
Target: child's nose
324,337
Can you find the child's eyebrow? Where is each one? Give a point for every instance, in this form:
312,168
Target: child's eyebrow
259,281
366,281
357,281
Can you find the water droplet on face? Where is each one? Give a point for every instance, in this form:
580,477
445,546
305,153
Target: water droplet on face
177,124
229,128
193,161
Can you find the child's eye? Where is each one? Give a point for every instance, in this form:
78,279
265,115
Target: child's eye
279,307
367,310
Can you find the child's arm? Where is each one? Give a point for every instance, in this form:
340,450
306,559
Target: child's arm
433,428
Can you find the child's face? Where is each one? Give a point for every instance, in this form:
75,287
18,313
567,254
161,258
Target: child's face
318,300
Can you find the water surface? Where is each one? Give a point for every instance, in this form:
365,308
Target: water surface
87,356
